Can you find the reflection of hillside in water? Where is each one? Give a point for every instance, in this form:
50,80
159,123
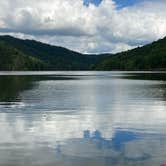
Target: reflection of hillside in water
47,128
146,76
12,86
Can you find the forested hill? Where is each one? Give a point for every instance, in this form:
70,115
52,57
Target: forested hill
13,59
18,54
148,57
53,57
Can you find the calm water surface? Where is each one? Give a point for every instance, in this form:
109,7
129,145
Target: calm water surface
82,118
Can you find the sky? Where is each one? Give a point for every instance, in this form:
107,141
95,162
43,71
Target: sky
87,26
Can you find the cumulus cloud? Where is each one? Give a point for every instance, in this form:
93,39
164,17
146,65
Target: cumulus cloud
92,28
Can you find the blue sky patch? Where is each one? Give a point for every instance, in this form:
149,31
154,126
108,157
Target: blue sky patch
120,3
125,3
95,2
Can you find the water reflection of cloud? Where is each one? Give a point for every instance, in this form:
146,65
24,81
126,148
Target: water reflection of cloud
124,148
126,114
95,145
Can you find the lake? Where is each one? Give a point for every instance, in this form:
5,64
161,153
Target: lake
82,118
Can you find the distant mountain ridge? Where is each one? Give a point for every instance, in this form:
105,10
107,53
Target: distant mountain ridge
18,54
52,57
148,57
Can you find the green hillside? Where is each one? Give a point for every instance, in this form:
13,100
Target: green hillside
149,57
56,58
13,59
18,54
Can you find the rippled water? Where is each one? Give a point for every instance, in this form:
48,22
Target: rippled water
82,118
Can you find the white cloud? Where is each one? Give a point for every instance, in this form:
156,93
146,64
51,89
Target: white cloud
87,29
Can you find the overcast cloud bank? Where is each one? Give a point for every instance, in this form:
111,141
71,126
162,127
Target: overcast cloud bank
92,29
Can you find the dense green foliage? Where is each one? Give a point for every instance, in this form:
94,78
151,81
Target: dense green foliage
149,57
13,59
56,58
17,54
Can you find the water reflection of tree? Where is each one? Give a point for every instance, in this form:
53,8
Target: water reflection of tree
11,86
146,76
160,86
